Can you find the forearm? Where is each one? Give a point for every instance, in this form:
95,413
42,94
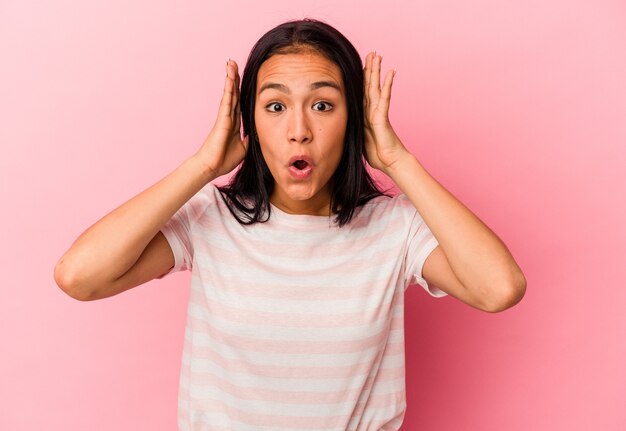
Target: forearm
479,259
108,248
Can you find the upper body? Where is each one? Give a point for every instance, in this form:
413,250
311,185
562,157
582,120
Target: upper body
296,322
311,116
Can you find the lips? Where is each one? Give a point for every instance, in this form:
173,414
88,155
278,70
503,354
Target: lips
299,159
300,167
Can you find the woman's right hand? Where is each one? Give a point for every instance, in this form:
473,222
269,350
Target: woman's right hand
224,149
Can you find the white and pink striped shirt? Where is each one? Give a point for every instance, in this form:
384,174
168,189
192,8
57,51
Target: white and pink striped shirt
296,324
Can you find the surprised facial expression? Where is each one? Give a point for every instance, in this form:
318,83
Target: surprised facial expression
301,116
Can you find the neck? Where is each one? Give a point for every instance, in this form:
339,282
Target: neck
317,205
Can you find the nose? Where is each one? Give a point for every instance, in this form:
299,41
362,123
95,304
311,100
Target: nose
299,128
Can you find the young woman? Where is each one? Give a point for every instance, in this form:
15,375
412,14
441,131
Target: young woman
299,265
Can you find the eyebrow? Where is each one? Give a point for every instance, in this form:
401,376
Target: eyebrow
285,89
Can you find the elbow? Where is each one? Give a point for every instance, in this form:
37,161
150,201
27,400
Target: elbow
68,281
508,295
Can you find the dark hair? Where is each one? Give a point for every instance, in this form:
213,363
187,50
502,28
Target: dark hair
248,192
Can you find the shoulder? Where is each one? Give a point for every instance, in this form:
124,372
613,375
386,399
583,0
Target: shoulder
204,202
398,203
385,209
207,195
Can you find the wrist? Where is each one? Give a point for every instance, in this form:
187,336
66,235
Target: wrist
403,163
201,169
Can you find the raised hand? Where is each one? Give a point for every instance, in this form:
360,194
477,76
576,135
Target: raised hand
224,148
382,146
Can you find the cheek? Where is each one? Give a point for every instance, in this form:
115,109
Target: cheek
271,155
336,135
267,129
264,135
267,155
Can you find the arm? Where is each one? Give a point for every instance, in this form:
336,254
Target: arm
471,263
125,248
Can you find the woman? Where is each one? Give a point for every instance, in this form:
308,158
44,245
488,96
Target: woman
300,263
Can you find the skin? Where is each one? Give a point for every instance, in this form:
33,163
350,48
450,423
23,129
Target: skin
294,117
470,263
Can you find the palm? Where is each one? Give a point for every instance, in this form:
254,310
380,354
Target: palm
231,148
382,146
223,149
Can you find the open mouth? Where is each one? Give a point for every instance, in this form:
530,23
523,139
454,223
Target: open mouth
301,167
300,164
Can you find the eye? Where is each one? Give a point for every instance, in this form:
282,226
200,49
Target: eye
322,106
275,107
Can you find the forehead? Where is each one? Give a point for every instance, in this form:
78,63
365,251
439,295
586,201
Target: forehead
298,68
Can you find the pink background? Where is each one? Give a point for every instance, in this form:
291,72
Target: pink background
518,108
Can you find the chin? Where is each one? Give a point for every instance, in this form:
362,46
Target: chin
301,192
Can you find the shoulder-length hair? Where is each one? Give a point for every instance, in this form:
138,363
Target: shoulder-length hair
247,195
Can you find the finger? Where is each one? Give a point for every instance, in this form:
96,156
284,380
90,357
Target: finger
225,104
366,70
376,72
385,95
367,74
237,101
375,80
234,101
237,83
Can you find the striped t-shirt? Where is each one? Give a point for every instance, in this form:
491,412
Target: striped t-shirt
296,323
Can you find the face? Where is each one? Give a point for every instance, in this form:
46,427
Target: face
301,118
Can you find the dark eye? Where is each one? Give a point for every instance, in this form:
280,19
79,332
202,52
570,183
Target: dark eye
322,106
274,107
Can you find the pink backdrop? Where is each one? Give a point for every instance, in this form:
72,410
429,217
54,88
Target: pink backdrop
518,108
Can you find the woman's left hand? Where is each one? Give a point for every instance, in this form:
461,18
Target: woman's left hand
382,146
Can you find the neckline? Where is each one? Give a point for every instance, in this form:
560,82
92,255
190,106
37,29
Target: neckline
301,219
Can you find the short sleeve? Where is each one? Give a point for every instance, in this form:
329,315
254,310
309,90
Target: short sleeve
421,243
178,230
